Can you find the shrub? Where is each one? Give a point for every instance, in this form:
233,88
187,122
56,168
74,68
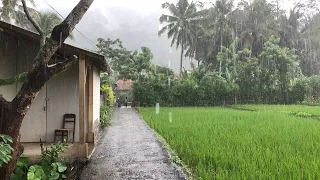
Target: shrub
204,89
185,92
49,169
298,91
109,93
151,90
215,89
105,115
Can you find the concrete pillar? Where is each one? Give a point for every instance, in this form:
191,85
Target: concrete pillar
90,109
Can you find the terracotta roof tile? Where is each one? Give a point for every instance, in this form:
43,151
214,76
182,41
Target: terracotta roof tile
124,84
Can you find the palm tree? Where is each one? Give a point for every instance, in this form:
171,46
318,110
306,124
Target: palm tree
180,24
223,8
259,24
11,9
215,31
47,21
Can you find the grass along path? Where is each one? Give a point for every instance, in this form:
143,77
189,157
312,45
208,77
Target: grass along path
224,143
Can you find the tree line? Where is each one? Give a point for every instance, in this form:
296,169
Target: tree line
252,52
258,51
202,30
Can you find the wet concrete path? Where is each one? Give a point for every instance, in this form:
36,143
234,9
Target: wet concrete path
128,149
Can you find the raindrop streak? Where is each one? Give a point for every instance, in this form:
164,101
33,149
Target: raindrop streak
60,40
305,44
169,82
170,117
75,94
157,108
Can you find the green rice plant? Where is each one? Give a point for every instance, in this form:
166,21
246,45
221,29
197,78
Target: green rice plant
314,110
223,143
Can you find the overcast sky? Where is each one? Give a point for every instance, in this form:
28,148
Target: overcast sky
141,5
110,25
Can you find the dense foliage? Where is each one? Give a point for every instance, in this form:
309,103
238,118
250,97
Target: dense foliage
106,109
105,115
203,29
272,77
127,64
107,89
50,167
250,52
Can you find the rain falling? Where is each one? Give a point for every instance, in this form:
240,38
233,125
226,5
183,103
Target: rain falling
161,89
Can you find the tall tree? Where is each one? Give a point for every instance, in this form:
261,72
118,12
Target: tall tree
112,49
128,64
197,49
12,113
179,24
299,29
309,46
279,66
213,32
259,24
221,27
132,65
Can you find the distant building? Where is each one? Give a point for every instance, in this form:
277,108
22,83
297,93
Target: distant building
124,89
124,85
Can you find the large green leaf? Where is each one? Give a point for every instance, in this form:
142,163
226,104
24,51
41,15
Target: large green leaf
23,161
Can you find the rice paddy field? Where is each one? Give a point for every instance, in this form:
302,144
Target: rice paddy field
225,143
315,110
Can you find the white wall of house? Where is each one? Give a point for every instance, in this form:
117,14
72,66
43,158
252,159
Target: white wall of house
96,100
59,96
33,126
34,123
63,98
7,49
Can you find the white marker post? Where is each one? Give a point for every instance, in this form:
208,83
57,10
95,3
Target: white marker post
157,108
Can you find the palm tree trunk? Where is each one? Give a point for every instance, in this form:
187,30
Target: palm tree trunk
181,58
